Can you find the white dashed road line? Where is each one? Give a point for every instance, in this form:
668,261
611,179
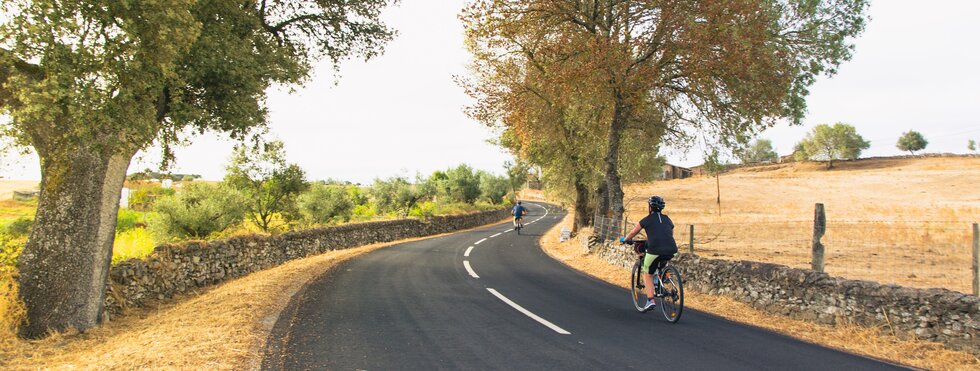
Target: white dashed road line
495,235
469,269
527,312
468,250
479,242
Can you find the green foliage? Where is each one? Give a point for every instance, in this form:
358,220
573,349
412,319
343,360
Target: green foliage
123,74
493,188
144,194
423,210
971,145
713,163
269,184
19,227
462,184
326,204
395,195
759,151
517,174
128,219
829,143
198,211
135,243
912,141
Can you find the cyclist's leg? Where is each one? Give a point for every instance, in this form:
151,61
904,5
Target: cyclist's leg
648,260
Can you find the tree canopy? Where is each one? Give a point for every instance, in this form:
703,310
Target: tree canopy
912,141
758,151
721,70
829,143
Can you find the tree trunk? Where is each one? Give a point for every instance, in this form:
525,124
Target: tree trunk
718,191
583,213
613,181
602,200
65,263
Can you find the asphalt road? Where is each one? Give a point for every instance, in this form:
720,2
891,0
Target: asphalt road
504,304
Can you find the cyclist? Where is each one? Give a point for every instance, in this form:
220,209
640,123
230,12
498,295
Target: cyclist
519,212
660,242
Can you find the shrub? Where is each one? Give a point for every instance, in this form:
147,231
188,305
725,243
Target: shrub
395,195
128,219
423,210
198,210
19,227
144,195
132,243
493,188
325,204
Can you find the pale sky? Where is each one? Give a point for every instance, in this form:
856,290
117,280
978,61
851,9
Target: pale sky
402,113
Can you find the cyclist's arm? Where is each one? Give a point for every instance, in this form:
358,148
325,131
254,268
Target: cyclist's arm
636,230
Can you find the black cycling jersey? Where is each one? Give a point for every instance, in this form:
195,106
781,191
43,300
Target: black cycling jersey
660,234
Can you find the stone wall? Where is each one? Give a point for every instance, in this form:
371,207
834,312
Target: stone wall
937,315
179,268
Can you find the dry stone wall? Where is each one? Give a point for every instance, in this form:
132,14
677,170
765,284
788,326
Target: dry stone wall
178,268
938,315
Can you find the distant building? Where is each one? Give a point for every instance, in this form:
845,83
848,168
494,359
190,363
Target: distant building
675,172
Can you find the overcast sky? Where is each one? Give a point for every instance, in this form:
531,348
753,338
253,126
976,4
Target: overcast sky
915,67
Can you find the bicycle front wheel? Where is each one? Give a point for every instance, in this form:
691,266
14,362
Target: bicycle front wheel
636,286
672,303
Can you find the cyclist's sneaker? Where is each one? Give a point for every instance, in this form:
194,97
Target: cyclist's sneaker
650,305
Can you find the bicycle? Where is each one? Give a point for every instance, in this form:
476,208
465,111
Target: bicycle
520,225
667,281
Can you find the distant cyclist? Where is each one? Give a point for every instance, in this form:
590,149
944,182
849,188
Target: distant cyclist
660,242
519,211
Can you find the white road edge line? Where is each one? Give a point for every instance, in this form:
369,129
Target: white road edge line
480,241
466,263
468,249
495,235
528,313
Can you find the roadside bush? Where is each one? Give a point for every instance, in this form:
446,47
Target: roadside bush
493,188
132,243
19,227
325,204
128,219
423,210
198,210
395,195
144,195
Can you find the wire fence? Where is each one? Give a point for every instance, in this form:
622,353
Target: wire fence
922,254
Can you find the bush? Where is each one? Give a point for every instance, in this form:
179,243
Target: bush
19,227
423,210
395,195
325,204
493,188
143,196
132,243
128,219
198,211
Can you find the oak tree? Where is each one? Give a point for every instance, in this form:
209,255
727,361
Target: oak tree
830,143
725,70
87,84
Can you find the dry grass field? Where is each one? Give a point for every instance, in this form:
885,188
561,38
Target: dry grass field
905,221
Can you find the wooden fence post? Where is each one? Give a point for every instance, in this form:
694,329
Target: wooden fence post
692,240
819,228
976,260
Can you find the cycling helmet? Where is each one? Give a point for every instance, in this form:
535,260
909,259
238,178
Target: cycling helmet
657,203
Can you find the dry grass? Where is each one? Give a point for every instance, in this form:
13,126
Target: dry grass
855,339
7,187
904,221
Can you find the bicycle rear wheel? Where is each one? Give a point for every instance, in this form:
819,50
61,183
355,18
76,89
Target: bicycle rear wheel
636,286
672,303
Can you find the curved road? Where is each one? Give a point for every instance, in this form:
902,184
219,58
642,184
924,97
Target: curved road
488,298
